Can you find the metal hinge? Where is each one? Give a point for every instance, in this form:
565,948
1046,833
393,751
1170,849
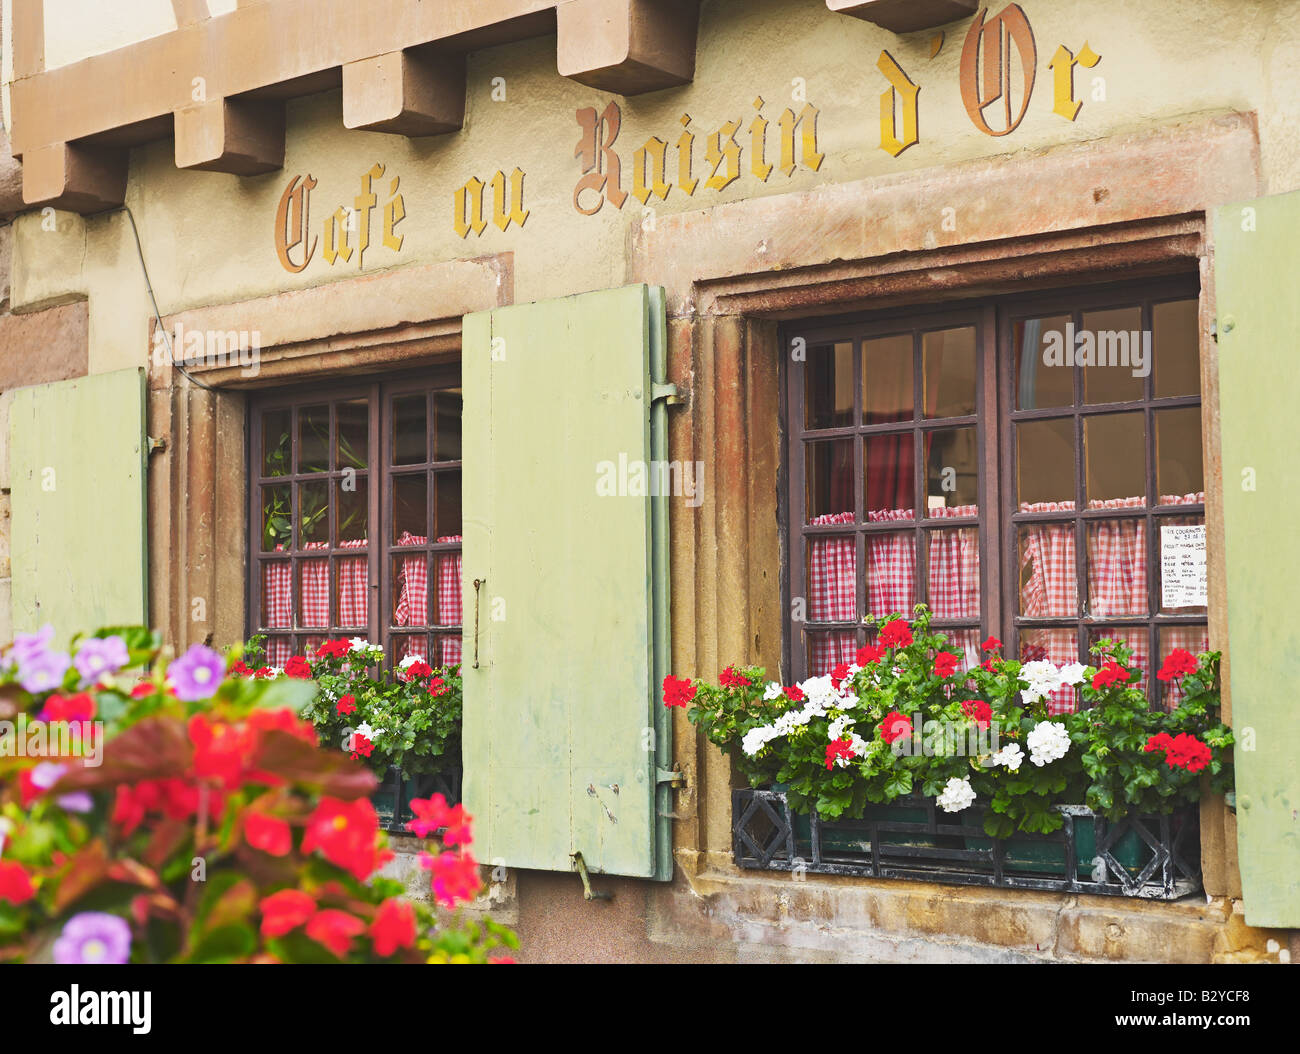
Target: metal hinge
667,392
663,775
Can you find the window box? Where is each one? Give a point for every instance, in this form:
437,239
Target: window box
1150,857
392,797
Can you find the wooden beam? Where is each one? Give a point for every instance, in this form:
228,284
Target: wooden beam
405,93
78,178
240,136
627,46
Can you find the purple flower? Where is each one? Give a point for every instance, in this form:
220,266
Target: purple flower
197,673
43,671
93,937
76,801
27,646
96,656
47,774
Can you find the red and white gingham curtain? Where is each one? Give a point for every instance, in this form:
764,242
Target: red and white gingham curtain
832,589
412,607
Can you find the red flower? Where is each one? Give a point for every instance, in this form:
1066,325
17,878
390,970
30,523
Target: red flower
678,691
839,674
345,833
895,726
869,654
239,669
298,667
1179,664
945,664
282,719
418,670
262,672
335,929
438,687
458,829
285,911
1110,673
455,876
70,708
393,927
347,704
987,664
430,814
15,884
143,689
267,833
992,644
220,750
795,694
1183,751
978,711
333,649
896,634
731,679
839,748
361,747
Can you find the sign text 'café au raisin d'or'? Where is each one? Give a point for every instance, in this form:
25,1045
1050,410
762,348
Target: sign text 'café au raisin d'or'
998,70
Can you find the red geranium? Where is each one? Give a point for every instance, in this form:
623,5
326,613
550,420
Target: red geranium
896,634
895,726
220,750
838,748
393,926
347,704
345,832
334,649
992,644
239,668
361,746
978,711
678,691
839,674
438,687
70,708
143,689
731,679
418,670
285,911
1183,751
795,694
298,667
270,834
945,664
1178,664
15,884
455,876
335,929
1110,673
868,654
430,814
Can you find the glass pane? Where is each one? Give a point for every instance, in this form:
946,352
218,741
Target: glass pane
447,589
889,482
313,513
314,439
352,494
832,579
965,644
1191,639
1115,354
411,509
448,650
887,379
277,595
1114,447
410,590
1178,452
1190,577
275,443
415,645
277,519
314,592
353,591
353,434
1048,576
278,651
1135,637
1043,375
446,509
953,571
829,481
1117,568
1058,646
952,473
1045,461
1177,352
891,574
948,372
446,435
828,650
828,386
310,644
410,430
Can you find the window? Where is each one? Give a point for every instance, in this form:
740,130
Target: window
355,517
1010,466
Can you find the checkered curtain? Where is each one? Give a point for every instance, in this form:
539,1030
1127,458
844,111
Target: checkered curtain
953,578
412,608
832,589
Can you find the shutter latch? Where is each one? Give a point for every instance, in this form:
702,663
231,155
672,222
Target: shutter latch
666,392
663,775
588,893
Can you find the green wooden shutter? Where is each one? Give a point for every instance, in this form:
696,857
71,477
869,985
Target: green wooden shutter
77,454
567,634
1256,261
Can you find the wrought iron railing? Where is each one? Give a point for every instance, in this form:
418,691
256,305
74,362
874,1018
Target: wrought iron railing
1152,857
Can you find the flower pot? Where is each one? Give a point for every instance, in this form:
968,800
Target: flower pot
1041,854
854,836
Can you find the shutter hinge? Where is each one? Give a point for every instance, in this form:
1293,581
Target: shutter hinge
663,775
156,444
666,392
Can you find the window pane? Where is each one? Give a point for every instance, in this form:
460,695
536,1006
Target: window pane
829,481
277,519
948,372
1173,521
965,644
1134,637
1193,639
1043,377
1177,352
447,650
887,379
446,505
1045,461
832,579
352,496
828,386
1117,568
415,644
1048,574
1059,646
353,591
828,650
410,592
313,513
353,434
314,439
410,430
953,570
314,592
410,509
278,650
952,472
275,443
277,595
446,435
891,574
1114,447
447,589
889,481
1110,347
1178,452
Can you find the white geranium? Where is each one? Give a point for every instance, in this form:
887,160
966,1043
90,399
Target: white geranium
409,661
1042,678
757,738
957,795
1047,741
1009,756
1073,674
360,644
773,691
837,727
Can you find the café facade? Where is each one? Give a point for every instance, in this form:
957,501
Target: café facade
579,343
